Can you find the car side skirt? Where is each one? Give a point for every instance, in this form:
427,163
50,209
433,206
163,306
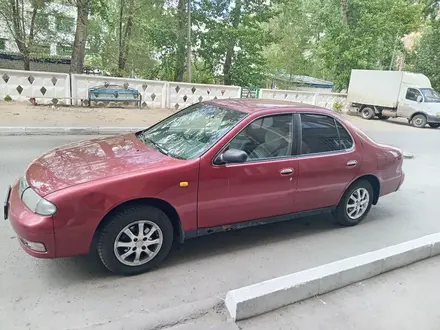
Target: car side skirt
258,222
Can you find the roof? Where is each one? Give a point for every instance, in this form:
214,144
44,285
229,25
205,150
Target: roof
303,80
257,105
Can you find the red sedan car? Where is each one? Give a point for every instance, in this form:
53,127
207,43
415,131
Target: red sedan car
211,167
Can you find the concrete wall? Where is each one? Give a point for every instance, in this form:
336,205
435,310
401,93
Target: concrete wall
43,86
155,94
17,64
322,99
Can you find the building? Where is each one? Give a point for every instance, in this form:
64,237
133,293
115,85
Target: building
55,30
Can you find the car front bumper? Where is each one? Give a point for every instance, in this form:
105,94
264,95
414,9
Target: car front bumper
32,229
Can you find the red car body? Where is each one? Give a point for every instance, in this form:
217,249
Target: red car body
89,179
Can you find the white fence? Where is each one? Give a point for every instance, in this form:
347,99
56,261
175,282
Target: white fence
43,86
48,87
181,95
325,100
154,93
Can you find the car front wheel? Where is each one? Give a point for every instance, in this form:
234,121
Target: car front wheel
355,204
135,240
419,121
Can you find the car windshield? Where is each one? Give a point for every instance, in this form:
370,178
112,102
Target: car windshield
430,95
192,131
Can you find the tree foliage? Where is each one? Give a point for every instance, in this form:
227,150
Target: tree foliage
241,42
24,24
427,54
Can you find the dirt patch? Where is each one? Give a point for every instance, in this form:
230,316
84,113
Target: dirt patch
23,114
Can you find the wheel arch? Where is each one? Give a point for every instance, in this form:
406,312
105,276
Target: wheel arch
375,184
418,113
163,205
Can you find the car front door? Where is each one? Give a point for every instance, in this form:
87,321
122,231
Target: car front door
263,186
410,103
329,160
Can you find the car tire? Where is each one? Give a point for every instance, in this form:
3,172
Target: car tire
419,121
121,235
434,125
367,113
344,213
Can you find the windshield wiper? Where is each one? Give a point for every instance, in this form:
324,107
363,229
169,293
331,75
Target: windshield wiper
158,146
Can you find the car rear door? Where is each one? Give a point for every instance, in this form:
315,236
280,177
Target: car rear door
328,161
263,186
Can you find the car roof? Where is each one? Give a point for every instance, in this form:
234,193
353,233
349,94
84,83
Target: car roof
266,105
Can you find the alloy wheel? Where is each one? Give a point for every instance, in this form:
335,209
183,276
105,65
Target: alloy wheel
138,243
357,203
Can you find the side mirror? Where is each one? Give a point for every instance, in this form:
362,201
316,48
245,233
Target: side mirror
233,156
419,99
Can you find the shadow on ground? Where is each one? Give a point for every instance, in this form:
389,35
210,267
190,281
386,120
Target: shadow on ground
196,250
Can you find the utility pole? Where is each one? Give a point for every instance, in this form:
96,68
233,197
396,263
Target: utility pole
188,60
394,52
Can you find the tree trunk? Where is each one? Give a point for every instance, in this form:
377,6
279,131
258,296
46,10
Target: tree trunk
236,15
181,42
79,45
26,62
125,42
344,10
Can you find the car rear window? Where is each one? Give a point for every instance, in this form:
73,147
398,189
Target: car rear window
321,134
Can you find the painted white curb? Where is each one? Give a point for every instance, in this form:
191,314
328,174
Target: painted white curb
408,155
269,295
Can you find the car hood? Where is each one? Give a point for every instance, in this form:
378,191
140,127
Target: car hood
91,160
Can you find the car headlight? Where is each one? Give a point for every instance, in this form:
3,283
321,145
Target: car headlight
36,203
23,185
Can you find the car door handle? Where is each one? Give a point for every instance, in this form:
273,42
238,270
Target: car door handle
352,163
286,171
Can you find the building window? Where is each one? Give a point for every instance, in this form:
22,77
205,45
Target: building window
64,50
64,24
2,44
41,49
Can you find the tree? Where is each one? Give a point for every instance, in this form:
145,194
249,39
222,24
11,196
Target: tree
427,59
84,8
22,22
231,38
79,44
366,39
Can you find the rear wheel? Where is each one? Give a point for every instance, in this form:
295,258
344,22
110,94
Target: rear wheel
367,113
419,121
355,204
434,125
135,240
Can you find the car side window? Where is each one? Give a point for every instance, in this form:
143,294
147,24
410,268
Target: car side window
412,94
345,140
321,133
266,138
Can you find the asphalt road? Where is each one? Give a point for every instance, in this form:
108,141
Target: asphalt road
77,292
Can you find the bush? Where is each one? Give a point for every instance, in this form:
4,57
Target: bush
337,106
7,98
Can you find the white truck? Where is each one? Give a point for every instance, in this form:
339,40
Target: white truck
394,94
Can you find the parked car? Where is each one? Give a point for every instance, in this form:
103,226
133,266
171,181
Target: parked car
214,166
394,94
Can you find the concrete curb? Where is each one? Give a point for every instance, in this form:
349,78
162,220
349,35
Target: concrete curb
266,296
75,130
408,155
